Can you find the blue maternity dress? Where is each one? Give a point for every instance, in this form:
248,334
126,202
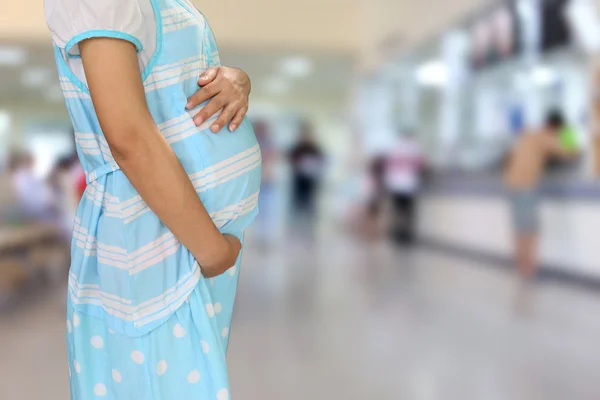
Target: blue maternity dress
143,324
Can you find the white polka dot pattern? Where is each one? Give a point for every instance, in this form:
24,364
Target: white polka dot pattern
76,366
179,331
223,394
205,347
193,377
161,368
210,310
137,357
76,320
218,308
116,375
100,390
97,342
69,326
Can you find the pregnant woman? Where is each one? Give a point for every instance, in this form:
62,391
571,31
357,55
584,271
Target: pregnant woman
171,190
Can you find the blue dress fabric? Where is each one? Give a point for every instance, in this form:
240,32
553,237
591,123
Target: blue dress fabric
143,323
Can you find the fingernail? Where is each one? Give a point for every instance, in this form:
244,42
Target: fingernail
204,77
188,105
198,121
232,127
215,128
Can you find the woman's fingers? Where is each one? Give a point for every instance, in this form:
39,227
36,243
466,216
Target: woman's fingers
225,89
208,76
239,117
205,93
227,115
210,109
210,84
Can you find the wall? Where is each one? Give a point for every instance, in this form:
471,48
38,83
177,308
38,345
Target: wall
327,25
388,27
482,224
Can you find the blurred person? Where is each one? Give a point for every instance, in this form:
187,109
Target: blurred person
307,161
65,178
33,195
523,172
402,179
377,195
173,168
78,173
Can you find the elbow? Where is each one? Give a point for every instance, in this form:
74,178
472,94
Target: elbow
126,143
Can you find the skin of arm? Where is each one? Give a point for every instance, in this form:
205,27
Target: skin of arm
114,79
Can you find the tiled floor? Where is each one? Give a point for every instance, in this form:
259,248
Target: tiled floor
343,319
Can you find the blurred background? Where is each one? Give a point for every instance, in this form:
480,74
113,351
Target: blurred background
381,266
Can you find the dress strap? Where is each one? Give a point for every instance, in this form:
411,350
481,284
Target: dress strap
101,171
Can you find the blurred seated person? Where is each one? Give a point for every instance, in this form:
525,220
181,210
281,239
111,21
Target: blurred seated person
34,197
66,181
524,170
307,161
403,167
78,172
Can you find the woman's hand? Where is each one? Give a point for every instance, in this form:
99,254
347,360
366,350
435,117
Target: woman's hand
229,89
231,251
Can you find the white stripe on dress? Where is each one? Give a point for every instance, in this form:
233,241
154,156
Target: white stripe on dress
210,177
171,11
174,76
93,144
155,251
143,313
179,25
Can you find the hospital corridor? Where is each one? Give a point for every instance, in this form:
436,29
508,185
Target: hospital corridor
426,226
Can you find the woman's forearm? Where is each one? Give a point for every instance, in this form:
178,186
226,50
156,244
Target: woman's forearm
153,169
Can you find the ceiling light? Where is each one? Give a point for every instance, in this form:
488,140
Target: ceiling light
4,122
12,56
432,73
544,76
36,77
277,86
297,67
526,9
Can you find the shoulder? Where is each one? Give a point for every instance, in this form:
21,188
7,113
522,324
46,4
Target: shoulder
68,19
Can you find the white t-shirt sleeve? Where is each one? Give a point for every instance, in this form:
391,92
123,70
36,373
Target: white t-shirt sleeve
72,21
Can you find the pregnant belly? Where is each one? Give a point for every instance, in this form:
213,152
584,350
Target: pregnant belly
225,169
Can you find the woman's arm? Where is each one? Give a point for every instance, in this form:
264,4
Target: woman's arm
113,76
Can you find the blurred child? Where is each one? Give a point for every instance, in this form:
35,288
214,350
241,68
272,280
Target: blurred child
522,175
